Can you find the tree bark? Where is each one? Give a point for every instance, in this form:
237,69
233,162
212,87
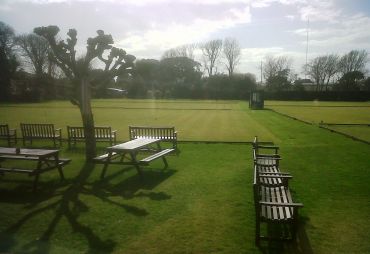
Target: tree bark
87,120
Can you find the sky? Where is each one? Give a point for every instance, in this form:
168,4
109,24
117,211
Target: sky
147,28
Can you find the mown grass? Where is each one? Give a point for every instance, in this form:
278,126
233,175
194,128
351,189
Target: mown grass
321,112
201,204
194,120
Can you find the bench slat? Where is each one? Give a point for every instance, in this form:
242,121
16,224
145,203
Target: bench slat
156,155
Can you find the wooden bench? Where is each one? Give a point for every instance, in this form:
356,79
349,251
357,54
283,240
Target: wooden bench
40,131
274,204
8,134
167,134
263,155
102,133
267,165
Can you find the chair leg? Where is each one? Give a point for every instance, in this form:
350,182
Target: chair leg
257,232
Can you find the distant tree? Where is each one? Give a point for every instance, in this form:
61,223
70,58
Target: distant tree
355,60
350,81
274,65
211,51
232,54
366,85
279,82
145,78
186,50
322,69
176,75
35,49
117,62
221,86
8,60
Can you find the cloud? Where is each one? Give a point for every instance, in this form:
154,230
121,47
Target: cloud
176,34
320,10
350,32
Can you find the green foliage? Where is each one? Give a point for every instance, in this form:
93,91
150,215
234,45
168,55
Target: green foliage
278,82
8,60
350,81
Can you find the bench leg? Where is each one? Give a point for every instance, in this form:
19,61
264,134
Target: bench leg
60,168
136,163
107,161
257,232
165,162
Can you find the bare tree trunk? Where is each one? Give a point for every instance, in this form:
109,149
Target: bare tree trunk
88,120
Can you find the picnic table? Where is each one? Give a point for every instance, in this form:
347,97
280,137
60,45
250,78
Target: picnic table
132,148
46,160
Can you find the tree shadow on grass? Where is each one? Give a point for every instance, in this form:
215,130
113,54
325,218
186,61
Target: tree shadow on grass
134,186
64,200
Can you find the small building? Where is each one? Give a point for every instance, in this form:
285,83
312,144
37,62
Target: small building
256,100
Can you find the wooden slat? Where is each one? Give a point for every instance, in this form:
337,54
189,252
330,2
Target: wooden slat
156,155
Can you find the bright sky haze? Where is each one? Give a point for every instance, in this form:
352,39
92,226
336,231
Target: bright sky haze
146,28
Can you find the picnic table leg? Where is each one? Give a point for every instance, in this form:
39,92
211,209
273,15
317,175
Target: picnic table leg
35,181
107,161
136,163
60,169
163,157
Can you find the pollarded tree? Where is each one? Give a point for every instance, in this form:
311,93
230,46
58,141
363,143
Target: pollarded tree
116,63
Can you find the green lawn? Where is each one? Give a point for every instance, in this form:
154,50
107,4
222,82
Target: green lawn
194,120
329,112
202,203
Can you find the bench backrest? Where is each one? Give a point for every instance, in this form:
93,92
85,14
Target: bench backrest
4,130
34,130
78,132
164,133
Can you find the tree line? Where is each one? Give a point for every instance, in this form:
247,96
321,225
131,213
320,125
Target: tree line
31,72
329,72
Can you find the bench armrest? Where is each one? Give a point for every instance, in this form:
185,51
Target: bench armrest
268,157
267,147
276,173
275,176
281,204
273,155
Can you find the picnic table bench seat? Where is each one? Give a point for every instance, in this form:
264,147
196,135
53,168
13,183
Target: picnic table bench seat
61,162
102,158
8,134
102,133
157,155
40,131
166,134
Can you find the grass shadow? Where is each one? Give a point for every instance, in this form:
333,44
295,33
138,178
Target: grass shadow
63,199
301,245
